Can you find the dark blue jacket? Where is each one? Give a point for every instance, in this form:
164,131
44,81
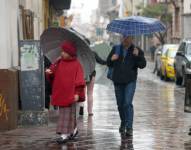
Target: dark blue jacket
125,68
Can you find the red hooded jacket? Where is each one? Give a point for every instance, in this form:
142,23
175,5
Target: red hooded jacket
67,79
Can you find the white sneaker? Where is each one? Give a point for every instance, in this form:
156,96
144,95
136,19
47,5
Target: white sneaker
74,134
63,139
64,136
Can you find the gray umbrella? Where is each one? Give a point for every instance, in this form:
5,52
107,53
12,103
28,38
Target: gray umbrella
51,39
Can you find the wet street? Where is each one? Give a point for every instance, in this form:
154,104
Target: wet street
159,123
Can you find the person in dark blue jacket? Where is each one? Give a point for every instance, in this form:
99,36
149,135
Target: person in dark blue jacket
124,76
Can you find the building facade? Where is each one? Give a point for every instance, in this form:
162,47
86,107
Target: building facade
21,19
130,7
8,36
187,19
176,8
177,21
105,6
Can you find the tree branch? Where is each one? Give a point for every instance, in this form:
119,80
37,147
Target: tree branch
174,3
160,37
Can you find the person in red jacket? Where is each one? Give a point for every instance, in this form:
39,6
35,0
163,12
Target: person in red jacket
68,84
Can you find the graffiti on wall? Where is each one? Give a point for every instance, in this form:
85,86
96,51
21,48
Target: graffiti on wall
3,108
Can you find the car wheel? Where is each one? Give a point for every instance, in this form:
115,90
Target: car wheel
165,76
161,76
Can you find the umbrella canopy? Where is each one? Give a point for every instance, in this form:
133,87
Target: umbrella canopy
51,39
135,25
102,49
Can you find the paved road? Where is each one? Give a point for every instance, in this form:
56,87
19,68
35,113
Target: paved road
159,124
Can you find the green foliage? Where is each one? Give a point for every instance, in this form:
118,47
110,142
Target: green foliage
157,11
160,11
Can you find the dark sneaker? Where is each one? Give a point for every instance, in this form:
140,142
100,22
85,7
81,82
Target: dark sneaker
122,130
90,114
81,110
129,132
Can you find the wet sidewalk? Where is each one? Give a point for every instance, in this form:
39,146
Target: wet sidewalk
159,123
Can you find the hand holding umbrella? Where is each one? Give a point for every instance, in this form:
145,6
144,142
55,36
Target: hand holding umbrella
76,98
136,51
114,57
48,71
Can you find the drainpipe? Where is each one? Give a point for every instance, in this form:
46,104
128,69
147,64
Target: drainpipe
182,18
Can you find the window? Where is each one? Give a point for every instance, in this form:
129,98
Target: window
171,53
182,47
26,28
164,50
177,20
188,49
114,2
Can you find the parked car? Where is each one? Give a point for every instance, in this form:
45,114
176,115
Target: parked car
167,62
160,53
182,62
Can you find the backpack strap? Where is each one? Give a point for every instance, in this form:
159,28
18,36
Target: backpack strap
118,49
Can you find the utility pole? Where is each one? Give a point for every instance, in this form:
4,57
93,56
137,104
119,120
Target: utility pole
165,16
132,7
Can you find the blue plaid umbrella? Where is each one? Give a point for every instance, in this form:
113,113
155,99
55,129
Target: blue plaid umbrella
136,25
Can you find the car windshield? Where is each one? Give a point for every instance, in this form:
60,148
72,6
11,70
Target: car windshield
171,53
188,49
169,46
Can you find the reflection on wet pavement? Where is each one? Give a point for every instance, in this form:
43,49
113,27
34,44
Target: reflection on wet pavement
159,123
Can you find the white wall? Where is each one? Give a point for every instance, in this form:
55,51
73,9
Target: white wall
38,19
187,25
187,6
9,28
187,19
8,34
